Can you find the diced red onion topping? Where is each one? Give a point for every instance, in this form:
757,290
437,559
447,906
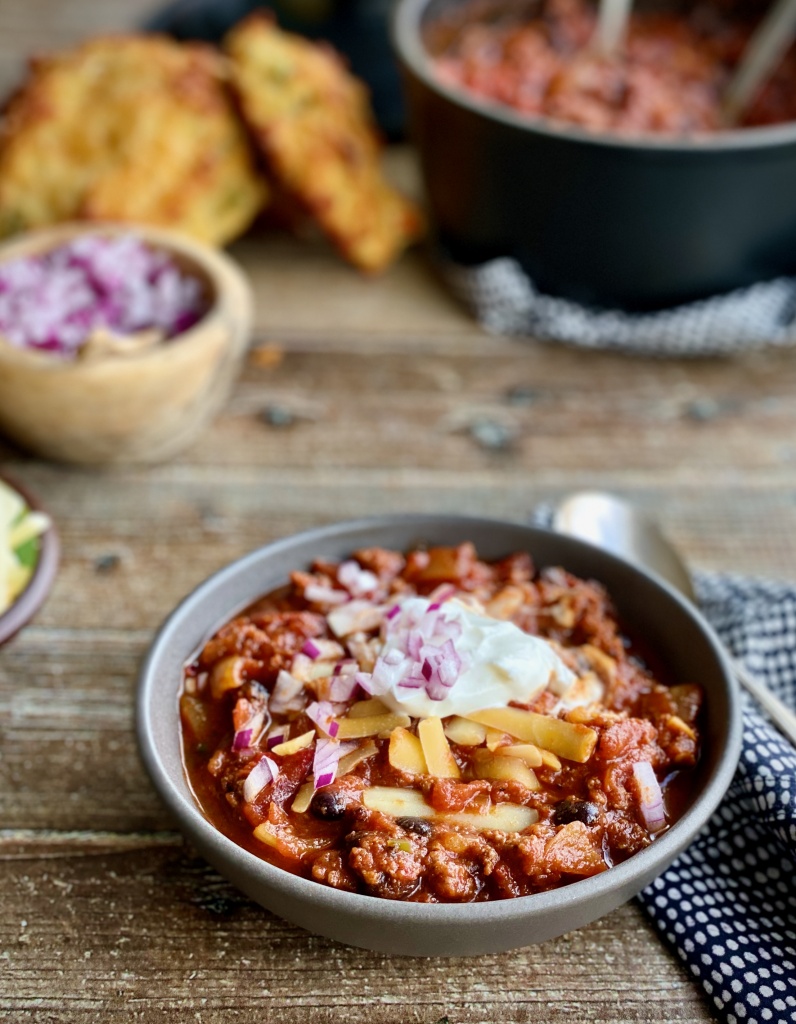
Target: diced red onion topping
288,694
357,581
276,736
389,670
327,757
365,681
345,667
248,733
329,650
323,713
650,796
242,739
311,650
422,654
344,683
444,592
262,773
55,301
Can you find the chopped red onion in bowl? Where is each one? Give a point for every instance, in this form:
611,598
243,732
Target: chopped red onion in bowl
58,300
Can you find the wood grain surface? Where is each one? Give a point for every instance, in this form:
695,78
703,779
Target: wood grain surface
360,397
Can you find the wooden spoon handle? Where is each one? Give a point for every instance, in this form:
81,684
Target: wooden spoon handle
763,53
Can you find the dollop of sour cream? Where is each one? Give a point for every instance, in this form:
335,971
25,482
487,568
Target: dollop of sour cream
500,663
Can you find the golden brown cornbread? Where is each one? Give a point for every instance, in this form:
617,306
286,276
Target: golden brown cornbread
128,128
311,119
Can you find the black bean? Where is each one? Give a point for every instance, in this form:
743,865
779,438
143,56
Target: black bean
328,804
572,809
419,826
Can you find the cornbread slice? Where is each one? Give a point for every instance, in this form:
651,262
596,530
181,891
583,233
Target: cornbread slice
128,128
312,122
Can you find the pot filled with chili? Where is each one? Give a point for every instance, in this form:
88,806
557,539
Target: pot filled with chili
613,180
437,735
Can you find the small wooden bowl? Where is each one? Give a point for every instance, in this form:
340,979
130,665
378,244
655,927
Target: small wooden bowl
138,407
40,583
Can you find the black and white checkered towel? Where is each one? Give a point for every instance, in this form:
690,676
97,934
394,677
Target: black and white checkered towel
728,903
727,906
505,301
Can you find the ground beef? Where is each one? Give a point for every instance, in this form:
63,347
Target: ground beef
388,866
330,869
458,865
271,639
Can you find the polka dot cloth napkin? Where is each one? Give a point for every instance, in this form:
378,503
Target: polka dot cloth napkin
728,903
505,301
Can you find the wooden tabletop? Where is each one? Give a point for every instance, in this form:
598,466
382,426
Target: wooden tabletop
362,396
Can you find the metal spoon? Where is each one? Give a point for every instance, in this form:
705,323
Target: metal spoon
611,27
617,526
764,51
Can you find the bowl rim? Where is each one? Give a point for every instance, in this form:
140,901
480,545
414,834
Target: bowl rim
407,43
179,800
40,584
217,268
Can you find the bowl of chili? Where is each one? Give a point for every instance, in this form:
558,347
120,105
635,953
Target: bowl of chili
613,183
423,828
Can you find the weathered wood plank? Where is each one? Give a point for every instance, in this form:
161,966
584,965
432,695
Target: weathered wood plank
154,931
127,572
69,757
134,547
381,409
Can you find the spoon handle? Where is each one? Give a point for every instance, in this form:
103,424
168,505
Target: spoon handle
763,53
782,717
609,33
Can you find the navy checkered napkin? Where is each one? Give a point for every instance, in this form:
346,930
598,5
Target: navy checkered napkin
505,301
728,904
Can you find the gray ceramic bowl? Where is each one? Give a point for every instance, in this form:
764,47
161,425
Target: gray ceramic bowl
650,609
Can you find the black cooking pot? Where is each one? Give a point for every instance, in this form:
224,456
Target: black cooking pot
635,223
